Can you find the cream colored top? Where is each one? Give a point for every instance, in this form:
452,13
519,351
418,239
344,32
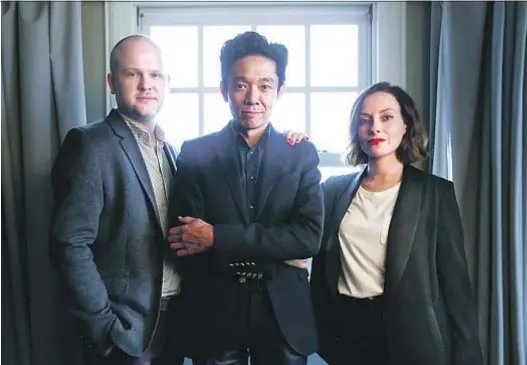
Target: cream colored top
363,235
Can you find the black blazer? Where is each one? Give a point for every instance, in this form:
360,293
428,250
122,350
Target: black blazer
106,240
430,312
288,225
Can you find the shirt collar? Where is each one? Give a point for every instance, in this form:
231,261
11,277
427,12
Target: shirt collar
235,128
140,134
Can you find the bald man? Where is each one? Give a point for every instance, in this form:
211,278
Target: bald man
112,183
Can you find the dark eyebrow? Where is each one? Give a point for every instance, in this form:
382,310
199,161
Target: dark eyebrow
386,110
264,79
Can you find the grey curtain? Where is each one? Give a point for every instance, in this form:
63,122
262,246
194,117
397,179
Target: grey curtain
479,124
42,98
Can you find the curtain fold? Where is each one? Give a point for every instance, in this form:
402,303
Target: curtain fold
483,72
42,98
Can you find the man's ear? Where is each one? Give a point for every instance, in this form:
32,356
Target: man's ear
280,91
109,79
224,93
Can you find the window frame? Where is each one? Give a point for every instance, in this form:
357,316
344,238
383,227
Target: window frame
387,59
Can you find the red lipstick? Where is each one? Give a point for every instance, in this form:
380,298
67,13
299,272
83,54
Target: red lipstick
376,141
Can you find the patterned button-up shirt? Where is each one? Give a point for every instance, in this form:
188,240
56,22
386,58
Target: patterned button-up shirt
156,162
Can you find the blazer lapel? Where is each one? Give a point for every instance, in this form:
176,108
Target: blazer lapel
342,201
131,149
227,155
171,157
402,227
273,153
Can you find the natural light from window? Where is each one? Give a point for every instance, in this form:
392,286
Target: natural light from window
328,66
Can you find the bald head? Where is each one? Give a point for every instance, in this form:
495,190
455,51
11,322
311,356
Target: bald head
137,78
128,44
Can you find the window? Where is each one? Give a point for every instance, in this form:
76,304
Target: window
330,61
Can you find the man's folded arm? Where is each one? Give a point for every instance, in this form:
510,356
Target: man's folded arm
78,194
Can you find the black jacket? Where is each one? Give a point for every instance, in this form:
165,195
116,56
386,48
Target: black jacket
430,312
288,225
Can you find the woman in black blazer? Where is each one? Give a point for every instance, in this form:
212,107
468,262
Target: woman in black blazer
391,285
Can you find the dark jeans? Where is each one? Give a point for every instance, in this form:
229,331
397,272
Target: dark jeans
157,354
359,336
259,337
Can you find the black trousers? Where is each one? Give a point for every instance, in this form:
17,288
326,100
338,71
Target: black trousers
157,354
358,338
258,335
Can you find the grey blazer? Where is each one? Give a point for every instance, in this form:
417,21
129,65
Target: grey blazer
106,240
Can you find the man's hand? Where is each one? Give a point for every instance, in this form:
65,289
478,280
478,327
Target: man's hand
295,137
298,263
194,236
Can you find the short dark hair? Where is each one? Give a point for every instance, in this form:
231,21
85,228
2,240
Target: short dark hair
252,44
414,142
114,54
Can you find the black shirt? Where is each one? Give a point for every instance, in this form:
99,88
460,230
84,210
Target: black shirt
250,162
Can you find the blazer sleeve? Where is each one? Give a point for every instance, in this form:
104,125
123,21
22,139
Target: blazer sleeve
319,288
455,282
186,200
187,197
298,237
77,187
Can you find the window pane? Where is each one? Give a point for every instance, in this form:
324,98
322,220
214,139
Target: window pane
330,120
179,45
179,118
293,37
217,112
334,55
290,112
213,39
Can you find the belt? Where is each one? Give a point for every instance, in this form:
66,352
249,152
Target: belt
375,301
